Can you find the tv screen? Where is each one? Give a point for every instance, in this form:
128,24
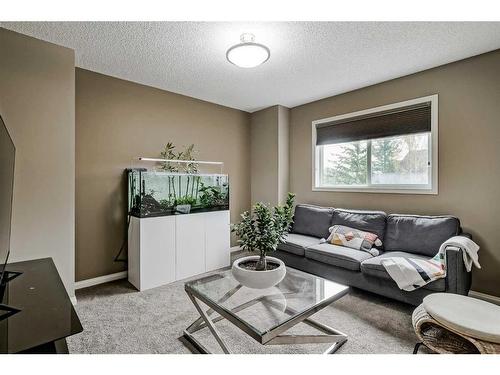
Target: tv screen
7,156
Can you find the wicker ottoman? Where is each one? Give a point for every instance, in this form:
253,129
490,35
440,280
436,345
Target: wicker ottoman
454,335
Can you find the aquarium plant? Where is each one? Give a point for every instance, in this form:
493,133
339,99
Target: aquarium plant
211,196
188,154
177,192
185,200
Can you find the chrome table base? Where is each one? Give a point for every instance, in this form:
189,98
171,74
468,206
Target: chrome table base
275,336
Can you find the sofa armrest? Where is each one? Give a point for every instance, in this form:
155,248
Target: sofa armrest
468,235
458,280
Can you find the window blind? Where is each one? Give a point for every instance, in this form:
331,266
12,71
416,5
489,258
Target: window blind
406,120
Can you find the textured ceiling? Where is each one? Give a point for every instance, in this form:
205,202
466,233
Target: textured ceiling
309,60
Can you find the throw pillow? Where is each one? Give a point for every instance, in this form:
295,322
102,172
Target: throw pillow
354,238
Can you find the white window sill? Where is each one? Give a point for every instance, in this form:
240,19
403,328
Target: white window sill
376,190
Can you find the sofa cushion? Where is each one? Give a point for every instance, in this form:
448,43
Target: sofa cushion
339,256
419,234
374,267
368,221
312,220
296,243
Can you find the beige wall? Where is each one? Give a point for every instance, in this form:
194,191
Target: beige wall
469,152
269,154
117,121
264,160
37,103
283,153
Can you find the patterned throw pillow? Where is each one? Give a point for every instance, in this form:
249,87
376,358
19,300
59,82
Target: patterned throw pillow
354,238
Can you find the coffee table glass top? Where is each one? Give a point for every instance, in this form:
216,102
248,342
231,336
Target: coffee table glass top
266,309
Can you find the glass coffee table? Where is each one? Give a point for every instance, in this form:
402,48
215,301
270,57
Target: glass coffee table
265,314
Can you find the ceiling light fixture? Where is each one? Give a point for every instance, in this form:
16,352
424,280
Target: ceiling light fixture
248,54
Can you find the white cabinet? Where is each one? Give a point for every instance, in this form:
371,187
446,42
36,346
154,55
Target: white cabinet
190,245
168,248
151,258
217,254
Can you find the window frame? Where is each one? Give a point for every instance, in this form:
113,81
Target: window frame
431,188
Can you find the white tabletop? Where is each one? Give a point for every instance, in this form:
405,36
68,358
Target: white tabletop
469,316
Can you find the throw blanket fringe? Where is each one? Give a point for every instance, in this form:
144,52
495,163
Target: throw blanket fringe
413,273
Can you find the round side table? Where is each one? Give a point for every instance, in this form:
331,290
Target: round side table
450,323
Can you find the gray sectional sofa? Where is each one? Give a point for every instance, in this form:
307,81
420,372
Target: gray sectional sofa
402,235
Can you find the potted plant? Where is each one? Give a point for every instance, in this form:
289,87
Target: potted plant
261,231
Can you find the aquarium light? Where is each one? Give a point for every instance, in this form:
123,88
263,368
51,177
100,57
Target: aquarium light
183,161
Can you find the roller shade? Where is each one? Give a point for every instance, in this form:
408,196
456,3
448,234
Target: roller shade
407,120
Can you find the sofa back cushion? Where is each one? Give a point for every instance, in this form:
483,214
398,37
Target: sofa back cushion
312,220
368,221
419,234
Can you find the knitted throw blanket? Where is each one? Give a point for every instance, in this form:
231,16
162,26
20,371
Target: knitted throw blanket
413,273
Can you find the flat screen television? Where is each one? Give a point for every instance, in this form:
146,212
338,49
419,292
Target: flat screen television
7,157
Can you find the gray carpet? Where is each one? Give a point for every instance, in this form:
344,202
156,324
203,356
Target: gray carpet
118,319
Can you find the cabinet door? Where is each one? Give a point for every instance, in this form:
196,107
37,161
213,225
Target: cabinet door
190,245
217,240
157,255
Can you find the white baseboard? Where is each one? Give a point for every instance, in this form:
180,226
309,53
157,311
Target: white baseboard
101,280
485,297
73,300
235,249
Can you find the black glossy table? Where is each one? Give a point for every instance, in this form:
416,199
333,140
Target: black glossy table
47,314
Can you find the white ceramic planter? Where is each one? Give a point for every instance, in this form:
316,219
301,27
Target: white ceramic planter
258,279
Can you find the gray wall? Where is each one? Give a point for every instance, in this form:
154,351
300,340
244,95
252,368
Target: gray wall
37,103
469,152
117,121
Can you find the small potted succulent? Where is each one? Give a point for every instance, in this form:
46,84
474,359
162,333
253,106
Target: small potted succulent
261,231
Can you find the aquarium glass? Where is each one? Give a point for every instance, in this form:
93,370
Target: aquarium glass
157,193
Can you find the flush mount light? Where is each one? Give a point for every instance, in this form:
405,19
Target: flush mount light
248,54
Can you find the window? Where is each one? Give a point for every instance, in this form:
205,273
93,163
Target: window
389,149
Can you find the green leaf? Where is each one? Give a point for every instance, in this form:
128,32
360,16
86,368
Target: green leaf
265,227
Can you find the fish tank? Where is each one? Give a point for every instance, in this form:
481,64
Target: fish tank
160,193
